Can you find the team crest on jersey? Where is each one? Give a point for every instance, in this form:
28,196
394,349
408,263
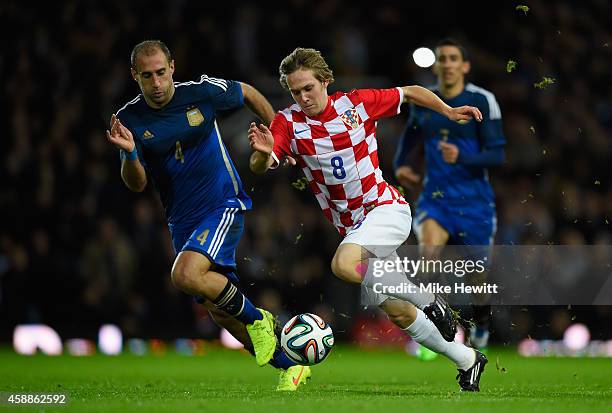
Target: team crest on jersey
351,118
147,134
195,117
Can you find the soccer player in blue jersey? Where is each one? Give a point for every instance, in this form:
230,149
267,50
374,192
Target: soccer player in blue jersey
169,134
456,205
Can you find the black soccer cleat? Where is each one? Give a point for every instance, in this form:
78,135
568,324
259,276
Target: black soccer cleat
469,379
440,313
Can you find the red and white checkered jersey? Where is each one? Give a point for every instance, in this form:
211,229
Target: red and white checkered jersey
337,152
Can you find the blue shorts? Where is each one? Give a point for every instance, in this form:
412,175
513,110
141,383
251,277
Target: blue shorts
467,223
215,237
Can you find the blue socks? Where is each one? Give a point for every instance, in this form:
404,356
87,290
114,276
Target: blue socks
280,360
233,302
237,305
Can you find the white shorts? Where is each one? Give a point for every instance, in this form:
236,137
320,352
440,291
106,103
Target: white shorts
381,232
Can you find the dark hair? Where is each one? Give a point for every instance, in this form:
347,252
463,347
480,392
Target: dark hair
302,58
452,42
149,47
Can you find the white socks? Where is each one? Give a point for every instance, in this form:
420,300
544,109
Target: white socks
424,332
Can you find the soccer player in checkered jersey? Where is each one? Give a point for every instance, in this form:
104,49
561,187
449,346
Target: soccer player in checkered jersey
169,134
457,204
333,140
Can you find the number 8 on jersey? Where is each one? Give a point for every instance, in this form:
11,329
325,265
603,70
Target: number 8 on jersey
338,164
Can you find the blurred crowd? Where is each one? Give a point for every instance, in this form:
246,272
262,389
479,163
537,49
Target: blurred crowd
77,249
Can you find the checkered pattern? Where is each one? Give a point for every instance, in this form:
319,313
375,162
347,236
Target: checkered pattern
337,151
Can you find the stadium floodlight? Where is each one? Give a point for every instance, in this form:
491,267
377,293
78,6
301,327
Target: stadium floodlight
576,337
110,340
27,339
424,57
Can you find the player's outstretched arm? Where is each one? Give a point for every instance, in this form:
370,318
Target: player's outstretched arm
262,142
425,97
257,103
132,172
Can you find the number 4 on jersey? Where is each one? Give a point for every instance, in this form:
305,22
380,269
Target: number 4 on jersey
178,153
203,236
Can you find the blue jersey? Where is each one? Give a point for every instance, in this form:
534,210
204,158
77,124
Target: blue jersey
456,182
182,151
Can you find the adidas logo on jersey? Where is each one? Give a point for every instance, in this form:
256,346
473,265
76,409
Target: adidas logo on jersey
147,134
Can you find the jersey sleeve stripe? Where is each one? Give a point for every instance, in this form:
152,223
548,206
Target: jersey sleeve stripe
494,110
401,99
212,80
217,80
131,102
276,162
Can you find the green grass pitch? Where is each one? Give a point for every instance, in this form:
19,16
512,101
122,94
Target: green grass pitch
351,380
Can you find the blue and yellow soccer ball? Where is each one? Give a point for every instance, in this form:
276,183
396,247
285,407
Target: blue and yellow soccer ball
307,339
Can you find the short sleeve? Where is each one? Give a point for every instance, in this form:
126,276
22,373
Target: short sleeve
378,103
223,94
282,139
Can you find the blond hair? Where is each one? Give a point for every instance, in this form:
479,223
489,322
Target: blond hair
308,59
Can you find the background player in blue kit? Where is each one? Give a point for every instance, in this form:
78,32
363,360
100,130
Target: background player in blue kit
169,134
456,205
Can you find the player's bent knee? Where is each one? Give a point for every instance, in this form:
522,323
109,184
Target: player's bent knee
180,277
183,276
345,268
187,267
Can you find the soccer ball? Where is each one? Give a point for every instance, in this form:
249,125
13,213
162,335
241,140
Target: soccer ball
307,339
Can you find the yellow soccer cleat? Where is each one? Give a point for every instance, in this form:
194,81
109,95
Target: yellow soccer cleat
291,378
263,337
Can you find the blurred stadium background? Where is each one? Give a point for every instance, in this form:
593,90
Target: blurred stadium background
78,250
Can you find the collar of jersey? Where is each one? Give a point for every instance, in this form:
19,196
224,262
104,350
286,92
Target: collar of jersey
454,97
